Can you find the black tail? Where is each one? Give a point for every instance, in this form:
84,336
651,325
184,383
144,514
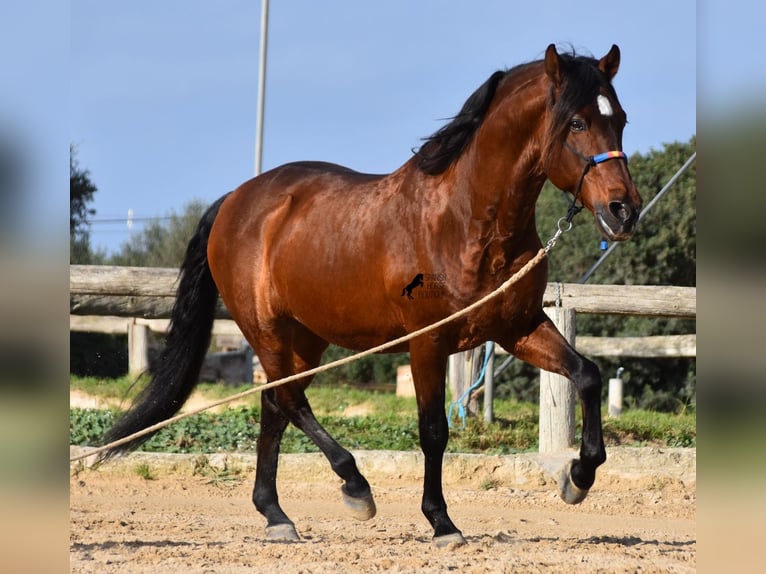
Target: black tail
187,341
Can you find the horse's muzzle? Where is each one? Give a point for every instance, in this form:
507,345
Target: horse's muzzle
617,220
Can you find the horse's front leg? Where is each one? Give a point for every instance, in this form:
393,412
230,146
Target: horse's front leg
546,348
429,370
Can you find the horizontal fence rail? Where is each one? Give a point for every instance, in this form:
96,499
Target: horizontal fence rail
149,293
645,347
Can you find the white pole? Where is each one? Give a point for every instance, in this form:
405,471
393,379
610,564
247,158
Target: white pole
615,394
138,348
261,87
489,384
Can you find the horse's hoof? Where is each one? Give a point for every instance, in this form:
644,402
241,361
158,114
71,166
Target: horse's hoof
361,508
569,491
454,540
281,533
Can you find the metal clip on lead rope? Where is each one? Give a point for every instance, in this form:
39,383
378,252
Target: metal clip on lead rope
563,225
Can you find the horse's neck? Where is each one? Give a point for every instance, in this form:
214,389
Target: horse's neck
497,182
503,185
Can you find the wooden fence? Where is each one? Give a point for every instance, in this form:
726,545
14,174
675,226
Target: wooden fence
149,293
138,299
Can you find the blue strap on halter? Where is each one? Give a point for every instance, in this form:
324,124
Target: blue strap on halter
602,157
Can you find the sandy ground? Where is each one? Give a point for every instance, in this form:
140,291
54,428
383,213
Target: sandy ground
195,515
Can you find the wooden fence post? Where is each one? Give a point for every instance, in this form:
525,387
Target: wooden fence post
138,348
557,394
405,386
462,374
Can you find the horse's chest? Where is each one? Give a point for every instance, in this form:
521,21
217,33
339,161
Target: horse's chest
495,258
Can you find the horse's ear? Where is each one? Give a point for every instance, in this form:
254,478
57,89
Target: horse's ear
553,65
610,63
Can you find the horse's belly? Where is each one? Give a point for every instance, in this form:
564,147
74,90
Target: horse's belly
353,322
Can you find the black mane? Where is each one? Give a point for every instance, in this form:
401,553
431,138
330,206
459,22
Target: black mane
445,146
583,80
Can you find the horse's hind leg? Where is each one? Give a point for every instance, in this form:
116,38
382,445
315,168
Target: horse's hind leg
288,403
357,497
356,490
265,498
276,360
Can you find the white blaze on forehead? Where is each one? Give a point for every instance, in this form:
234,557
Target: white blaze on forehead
604,105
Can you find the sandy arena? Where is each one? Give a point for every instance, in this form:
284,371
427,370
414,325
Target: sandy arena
639,517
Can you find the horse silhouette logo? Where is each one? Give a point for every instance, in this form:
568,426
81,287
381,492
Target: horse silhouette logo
416,282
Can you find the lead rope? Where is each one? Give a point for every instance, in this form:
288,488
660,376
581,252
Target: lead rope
526,268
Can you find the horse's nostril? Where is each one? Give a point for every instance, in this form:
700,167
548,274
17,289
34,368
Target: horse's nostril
621,210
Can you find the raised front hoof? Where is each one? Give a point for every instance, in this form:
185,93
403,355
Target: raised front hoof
569,491
282,533
361,508
453,540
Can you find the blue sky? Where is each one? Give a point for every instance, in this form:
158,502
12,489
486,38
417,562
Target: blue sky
163,95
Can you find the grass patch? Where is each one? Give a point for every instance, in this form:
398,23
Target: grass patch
123,388
639,427
489,483
144,471
389,423
216,476
128,387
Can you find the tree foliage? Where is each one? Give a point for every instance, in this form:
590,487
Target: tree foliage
81,190
163,241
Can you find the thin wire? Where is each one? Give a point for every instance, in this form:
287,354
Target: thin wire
133,219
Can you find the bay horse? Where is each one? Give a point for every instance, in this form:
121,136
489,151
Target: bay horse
312,253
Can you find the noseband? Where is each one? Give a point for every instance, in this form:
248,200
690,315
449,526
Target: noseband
590,161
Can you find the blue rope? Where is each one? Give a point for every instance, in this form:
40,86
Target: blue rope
460,402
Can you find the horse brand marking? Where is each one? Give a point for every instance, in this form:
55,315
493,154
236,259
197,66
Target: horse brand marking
432,286
604,105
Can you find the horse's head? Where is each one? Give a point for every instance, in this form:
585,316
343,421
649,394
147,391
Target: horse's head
584,154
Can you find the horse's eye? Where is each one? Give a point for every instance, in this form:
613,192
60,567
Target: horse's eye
577,125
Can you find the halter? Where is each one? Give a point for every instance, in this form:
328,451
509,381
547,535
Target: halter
590,161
